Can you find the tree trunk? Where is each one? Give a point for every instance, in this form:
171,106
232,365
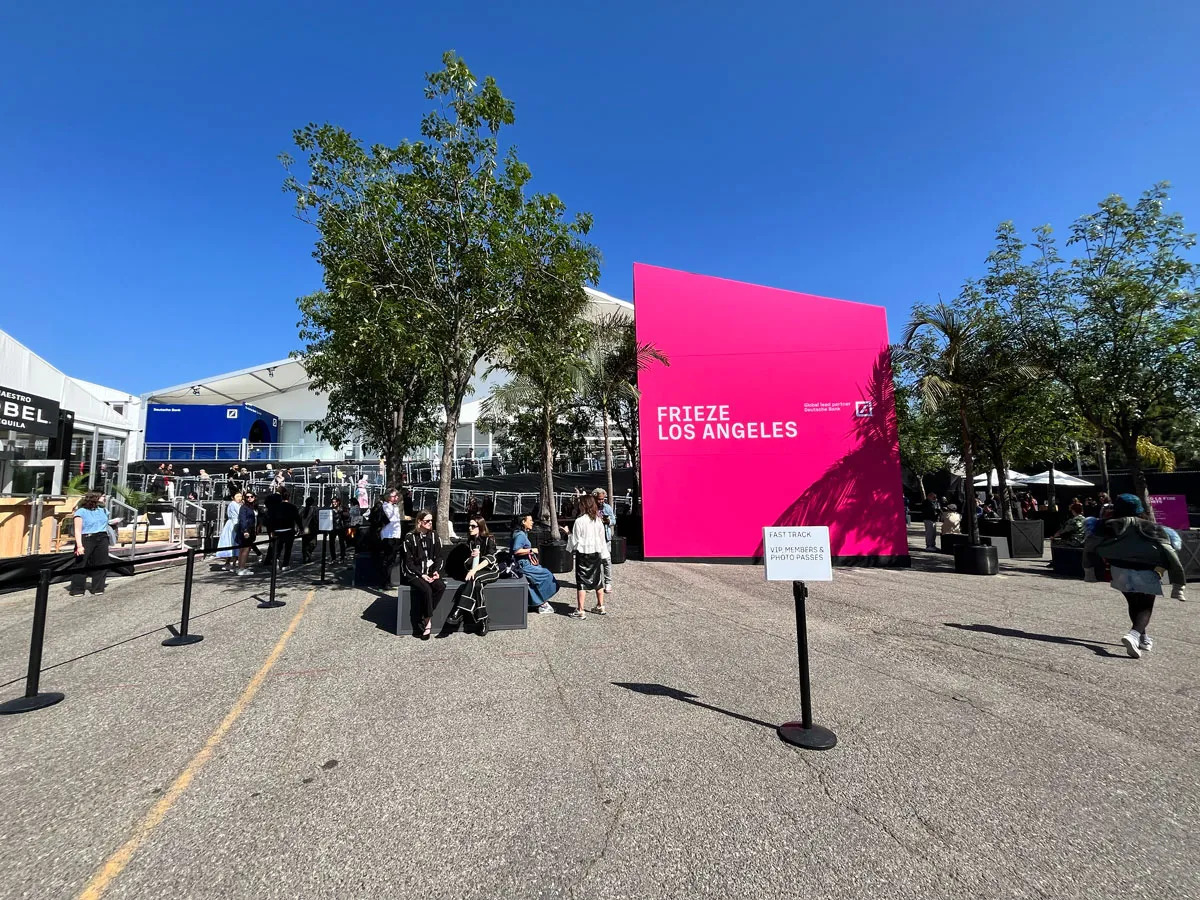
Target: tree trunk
547,500
969,471
1102,461
921,486
1140,487
395,451
607,454
446,474
1050,489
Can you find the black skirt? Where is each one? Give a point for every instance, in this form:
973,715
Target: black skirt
589,574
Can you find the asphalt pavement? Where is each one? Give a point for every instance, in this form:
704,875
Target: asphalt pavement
994,741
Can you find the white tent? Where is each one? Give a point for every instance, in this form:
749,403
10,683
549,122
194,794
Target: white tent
1010,476
1061,479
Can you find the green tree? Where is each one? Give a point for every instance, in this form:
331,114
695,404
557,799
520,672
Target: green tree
549,373
921,433
520,436
378,389
615,357
1118,326
442,228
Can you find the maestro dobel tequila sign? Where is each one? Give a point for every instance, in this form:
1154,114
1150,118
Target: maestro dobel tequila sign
27,413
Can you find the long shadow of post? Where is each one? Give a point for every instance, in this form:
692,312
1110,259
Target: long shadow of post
661,690
1098,649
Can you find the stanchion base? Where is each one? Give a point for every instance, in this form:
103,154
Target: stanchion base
814,738
29,704
182,640
272,604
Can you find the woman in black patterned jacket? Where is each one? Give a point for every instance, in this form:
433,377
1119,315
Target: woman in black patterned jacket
482,572
421,564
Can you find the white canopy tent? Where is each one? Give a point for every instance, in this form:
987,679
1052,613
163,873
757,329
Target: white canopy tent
1010,476
1061,479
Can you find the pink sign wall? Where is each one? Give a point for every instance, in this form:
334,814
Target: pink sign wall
1170,510
776,409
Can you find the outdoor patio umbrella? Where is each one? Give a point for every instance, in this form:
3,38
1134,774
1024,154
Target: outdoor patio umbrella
1061,479
982,480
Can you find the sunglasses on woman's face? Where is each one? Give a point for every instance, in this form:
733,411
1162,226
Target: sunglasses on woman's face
427,521
473,527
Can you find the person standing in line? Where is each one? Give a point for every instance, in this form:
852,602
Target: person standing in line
542,583
283,520
1136,551
247,529
341,522
227,542
482,572
308,528
609,518
591,548
90,523
390,534
421,570
361,495
931,511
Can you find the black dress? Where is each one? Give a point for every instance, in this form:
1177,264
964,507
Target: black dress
470,598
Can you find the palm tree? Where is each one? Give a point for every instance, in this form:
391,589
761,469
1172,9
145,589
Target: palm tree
615,356
942,347
550,380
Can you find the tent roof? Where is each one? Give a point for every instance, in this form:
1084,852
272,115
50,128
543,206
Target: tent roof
1061,479
259,383
982,479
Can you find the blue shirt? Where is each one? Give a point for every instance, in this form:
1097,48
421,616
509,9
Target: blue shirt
607,510
94,520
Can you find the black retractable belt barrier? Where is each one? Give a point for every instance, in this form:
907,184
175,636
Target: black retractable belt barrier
804,733
182,639
32,699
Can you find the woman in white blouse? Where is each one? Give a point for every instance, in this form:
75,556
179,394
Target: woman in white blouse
590,546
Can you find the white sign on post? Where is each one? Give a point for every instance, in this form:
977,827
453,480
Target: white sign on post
324,520
797,553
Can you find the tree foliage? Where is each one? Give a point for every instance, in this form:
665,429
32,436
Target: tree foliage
443,230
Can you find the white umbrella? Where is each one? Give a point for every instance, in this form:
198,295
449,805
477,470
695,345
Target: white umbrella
1011,476
1061,479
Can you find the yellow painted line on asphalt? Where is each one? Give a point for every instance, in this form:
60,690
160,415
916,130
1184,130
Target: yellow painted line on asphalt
116,863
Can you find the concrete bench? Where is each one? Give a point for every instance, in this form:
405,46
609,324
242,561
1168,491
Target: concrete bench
507,603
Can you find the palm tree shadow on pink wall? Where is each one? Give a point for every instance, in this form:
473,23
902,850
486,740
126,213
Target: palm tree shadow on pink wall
859,497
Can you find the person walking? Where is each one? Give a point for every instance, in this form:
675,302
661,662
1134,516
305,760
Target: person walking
591,548
482,572
1136,550
931,511
227,541
542,583
421,570
609,518
90,523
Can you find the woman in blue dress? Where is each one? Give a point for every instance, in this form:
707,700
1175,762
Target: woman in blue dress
542,585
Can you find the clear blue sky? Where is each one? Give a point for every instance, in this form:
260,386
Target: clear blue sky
863,150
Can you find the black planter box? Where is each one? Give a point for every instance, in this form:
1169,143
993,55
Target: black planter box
618,550
978,560
554,556
951,542
1066,560
1026,537
1190,554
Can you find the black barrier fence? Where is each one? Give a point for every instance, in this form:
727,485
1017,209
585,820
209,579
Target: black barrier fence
34,697
804,733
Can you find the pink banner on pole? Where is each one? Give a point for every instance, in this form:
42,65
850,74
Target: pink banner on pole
776,409
1170,510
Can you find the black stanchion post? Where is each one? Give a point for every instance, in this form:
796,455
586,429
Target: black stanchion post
324,546
33,675
804,733
271,602
183,638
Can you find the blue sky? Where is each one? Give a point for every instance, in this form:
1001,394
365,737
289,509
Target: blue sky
863,150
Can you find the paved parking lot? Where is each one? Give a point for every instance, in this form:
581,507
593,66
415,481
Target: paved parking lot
995,741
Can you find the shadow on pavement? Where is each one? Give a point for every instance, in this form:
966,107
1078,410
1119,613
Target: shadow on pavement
1098,649
382,611
661,690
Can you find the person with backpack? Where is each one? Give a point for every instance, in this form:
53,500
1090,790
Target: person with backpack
1136,551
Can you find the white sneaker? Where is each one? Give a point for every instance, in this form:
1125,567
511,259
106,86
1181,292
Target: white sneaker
1146,644
600,610
545,609
578,614
1131,642
243,571
608,589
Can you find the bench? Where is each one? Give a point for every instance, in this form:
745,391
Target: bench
507,603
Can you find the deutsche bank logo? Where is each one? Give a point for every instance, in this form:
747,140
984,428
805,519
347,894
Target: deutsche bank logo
231,413
864,408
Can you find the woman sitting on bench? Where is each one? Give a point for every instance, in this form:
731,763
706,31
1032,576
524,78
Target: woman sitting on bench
542,585
421,562
482,572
